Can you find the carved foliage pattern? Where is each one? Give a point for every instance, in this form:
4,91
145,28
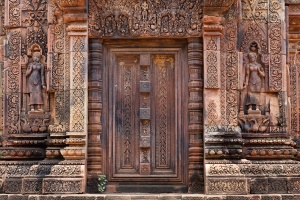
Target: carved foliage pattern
162,107
78,84
226,186
127,126
223,86
294,103
212,71
231,72
35,36
275,42
60,75
67,83
145,18
211,113
254,169
12,80
255,10
254,33
35,13
13,12
61,186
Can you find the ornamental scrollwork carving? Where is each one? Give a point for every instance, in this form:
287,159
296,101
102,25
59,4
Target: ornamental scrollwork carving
145,18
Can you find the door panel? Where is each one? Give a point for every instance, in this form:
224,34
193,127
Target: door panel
145,136
125,118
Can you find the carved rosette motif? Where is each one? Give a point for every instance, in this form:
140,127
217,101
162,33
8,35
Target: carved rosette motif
145,18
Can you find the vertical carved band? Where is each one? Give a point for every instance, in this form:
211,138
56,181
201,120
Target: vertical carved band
212,60
162,107
195,107
231,60
12,78
78,85
127,109
95,107
294,94
275,25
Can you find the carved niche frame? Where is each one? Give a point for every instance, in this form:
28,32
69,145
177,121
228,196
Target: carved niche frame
125,25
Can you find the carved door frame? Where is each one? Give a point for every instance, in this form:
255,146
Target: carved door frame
137,47
194,111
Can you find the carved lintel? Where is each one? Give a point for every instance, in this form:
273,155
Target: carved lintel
145,18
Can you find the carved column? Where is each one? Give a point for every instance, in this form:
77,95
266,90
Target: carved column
195,115
94,162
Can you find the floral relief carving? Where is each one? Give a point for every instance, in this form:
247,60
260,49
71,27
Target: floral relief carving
78,81
62,186
212,70
35,12
228,186
13,11
145,18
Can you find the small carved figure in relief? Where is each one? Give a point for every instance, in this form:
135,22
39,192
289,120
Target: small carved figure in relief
35,82
253,80
145,10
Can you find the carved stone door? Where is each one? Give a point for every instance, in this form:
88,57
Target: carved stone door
145,122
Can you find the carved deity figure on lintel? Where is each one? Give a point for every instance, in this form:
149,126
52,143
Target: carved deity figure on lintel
36,82
254,78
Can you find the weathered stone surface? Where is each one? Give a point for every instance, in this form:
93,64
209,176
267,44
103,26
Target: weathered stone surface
161,96
13,186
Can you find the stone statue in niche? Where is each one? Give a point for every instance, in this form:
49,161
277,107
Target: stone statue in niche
253,83
254,113
35,114
36,82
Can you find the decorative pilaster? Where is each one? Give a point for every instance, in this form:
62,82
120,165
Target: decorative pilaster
77,33
94,157
75,18
195,107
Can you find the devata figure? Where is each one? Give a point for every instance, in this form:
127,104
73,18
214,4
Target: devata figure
35,82
253,80
254,74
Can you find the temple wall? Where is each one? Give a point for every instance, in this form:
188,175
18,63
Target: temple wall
239,93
